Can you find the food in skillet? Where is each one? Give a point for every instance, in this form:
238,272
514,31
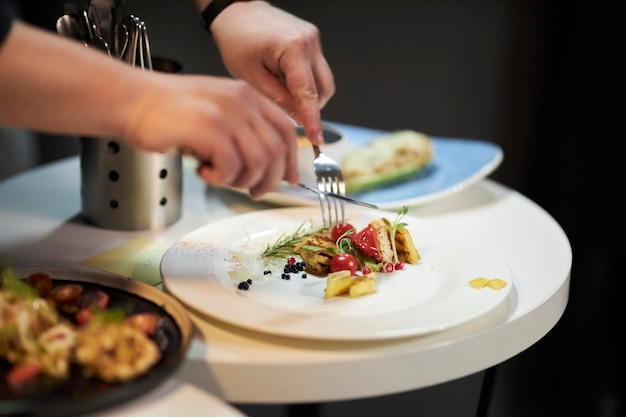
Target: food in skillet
45,330
350,259
386,159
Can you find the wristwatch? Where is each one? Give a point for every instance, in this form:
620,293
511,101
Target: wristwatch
212,10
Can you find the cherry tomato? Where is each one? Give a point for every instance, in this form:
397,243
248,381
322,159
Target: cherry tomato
344,261
367,242
339,229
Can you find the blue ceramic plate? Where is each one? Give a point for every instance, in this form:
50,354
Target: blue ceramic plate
457,164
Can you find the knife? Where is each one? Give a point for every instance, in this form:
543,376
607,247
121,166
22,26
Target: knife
187,152
339,197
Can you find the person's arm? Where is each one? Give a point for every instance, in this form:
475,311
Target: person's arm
280,54
49,83
53,84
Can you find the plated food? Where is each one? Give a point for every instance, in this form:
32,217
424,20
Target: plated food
433,294
385,160
349,258
72,335
455,164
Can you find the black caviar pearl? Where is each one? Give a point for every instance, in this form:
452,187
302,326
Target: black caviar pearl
243,285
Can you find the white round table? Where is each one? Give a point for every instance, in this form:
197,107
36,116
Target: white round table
41,225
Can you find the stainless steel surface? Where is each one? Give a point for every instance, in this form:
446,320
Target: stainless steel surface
103,12
123,188
67,26
137,52
340,197
99,43
329,179
120,41
88,26
104,25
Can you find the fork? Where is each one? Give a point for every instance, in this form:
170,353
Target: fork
329,180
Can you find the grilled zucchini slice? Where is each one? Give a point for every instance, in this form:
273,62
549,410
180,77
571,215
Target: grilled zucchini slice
385,160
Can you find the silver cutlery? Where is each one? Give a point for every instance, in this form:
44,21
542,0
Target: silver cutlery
330,182
339,197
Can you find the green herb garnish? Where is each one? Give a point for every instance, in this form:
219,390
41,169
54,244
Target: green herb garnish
16,286
284,246
109,315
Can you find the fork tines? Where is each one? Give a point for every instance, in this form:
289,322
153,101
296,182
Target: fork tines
329,179
333,209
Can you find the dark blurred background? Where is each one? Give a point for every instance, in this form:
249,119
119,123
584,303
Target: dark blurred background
539,78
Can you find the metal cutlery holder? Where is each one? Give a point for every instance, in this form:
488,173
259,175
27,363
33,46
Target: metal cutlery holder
122,187
126,189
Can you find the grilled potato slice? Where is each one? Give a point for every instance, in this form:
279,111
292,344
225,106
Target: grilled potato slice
338,283
405,248
362,285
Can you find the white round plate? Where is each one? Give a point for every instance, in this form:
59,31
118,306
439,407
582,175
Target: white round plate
204,268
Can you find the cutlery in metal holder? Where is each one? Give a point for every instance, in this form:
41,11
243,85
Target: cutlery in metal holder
124,188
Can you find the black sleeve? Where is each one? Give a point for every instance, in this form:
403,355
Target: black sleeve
6,20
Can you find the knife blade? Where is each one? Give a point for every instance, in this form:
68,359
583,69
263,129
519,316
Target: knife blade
339,197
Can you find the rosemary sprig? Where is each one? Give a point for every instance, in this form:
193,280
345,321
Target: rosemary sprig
284,246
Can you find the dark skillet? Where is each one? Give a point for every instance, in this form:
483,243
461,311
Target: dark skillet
80,395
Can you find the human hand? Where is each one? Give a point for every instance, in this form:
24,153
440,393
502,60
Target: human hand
280,55
242,138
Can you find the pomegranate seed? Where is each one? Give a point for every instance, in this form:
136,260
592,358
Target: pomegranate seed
291,260
388,267
366,270
399,265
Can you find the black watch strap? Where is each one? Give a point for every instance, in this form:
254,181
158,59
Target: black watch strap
212,10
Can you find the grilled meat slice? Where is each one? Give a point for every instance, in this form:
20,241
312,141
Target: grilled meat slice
316,261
